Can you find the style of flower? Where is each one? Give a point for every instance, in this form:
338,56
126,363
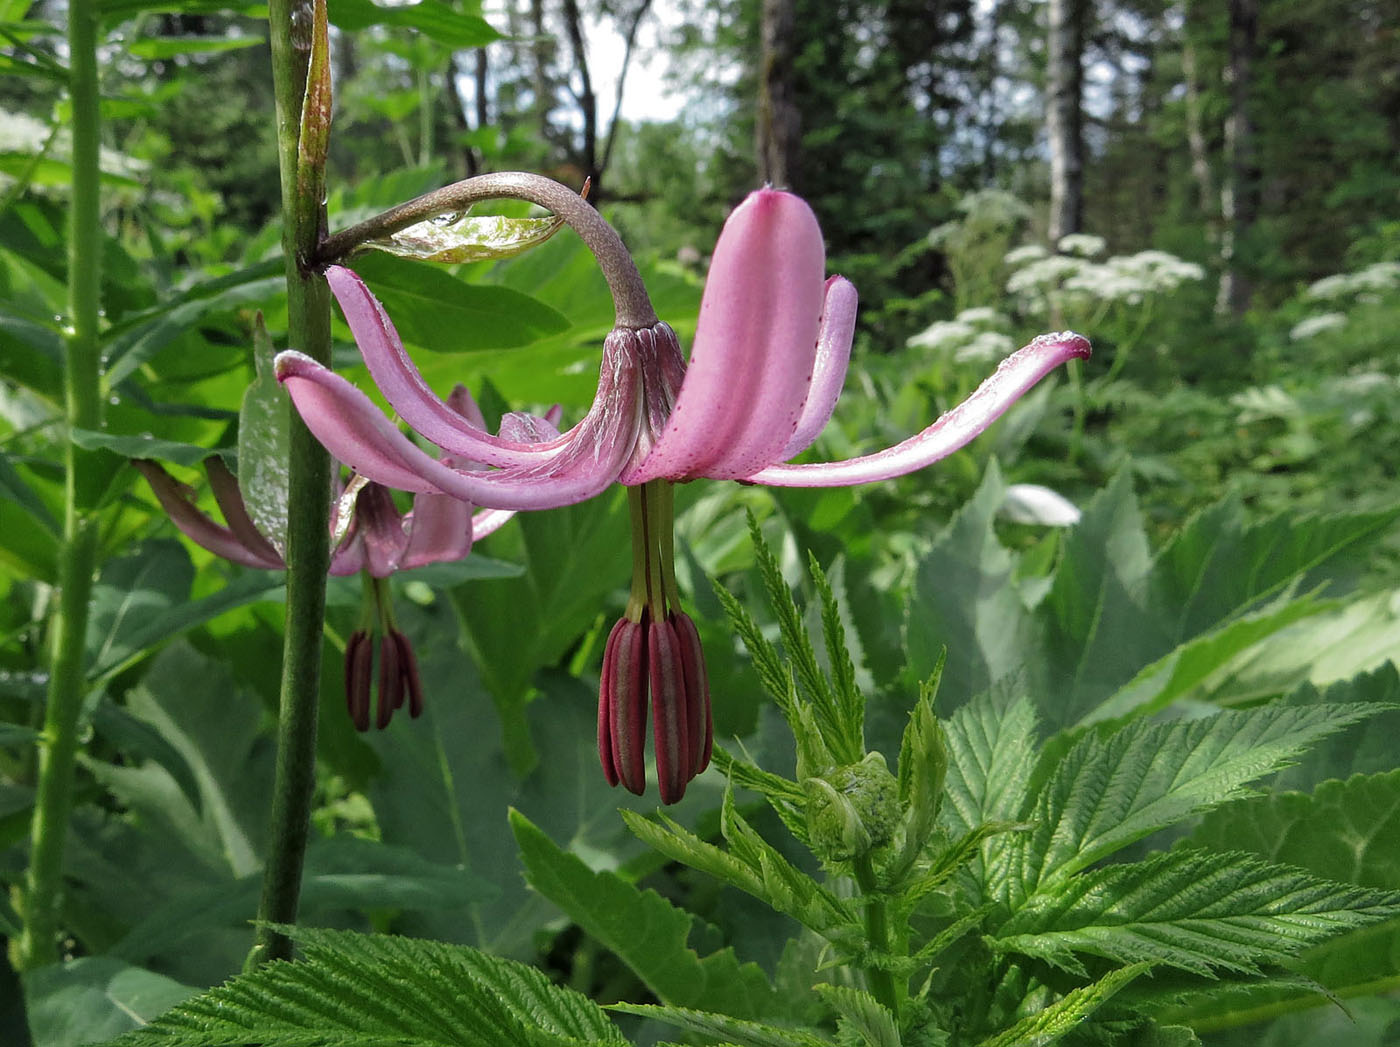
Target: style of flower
374,539
771,350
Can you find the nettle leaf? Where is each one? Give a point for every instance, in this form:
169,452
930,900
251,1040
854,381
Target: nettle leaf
861,1019
1346,830
1066,1014
646,931
732,1030
467,238
358,990
1199,911
1108,793
991,744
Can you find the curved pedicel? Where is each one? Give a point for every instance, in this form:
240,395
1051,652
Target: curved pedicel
629,293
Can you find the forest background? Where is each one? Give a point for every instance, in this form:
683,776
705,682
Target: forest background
1209,191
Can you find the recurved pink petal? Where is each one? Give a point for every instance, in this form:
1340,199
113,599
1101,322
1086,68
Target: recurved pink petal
379,528
489,521
198,527
462,401
403,385
954,429
440,530
358,434
755,345
838,327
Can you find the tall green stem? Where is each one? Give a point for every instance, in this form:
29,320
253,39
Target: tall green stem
308,540
58,745
877,933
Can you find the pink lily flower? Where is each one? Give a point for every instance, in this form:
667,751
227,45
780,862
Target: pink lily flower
771,351
376,539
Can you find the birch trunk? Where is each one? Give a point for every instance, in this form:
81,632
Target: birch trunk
1064,116
779,124
1239,186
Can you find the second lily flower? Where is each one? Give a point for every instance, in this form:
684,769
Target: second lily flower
771,350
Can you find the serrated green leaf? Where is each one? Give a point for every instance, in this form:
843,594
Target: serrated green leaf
1198,911
735,1030
646,932
786,797
849,700
840,727
1066,1014
1345,830
1099,630
991,744
862,1019
357,990
264,443
679,844
1107,793
468,238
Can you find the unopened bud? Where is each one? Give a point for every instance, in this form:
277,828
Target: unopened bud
852,809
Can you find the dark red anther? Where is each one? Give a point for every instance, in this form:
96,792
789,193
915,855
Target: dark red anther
359,667
408,667
670,715
627,708
390,681
700,727
605,698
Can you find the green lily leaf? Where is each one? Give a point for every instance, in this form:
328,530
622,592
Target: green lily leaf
463,238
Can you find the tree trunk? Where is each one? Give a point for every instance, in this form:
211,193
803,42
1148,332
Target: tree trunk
1239,188
779,123
1195,132
587,100
465,157
1064,91
629,43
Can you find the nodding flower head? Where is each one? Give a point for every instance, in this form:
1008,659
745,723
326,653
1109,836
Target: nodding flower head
373,537
772,346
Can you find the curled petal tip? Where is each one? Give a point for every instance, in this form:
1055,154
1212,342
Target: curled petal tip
1071,345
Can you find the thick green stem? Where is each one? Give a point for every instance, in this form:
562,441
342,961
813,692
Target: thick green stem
877,933
58,745
308,539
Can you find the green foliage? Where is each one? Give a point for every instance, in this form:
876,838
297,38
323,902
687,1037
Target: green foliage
645,930
356,989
